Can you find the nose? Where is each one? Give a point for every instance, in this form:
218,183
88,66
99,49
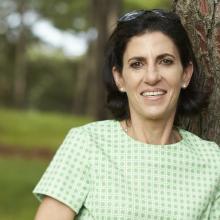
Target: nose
152,75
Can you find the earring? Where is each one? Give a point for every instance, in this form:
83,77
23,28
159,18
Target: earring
184,86
122,89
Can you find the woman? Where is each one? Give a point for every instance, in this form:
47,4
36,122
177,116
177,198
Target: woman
140,165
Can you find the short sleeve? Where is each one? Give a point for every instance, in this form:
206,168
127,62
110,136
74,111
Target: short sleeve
67,177
215,209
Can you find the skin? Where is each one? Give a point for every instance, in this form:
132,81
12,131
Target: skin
151,63
52,209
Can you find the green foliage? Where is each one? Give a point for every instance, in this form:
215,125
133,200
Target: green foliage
6,68
51,80
142,4
29,129
72,15
75,14
50,83
18,178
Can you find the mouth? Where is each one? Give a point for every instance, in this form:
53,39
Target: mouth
153,93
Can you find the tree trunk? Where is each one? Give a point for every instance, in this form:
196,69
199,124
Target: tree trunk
104,14
20,60
202,21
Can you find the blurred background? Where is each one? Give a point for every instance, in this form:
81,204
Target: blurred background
51,56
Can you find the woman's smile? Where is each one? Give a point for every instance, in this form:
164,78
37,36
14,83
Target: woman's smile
153,94
152,76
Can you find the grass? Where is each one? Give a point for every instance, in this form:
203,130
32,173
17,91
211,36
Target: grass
31,129
18,178
27,130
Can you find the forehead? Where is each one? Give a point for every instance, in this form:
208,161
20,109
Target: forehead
150,43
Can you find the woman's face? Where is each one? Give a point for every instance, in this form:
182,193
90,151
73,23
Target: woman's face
152,76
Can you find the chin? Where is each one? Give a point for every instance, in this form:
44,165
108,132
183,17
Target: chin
154,117
158,115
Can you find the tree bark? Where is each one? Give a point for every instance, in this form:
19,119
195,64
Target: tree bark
104,14
20,60
202,21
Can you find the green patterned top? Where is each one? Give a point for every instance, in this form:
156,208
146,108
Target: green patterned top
103,174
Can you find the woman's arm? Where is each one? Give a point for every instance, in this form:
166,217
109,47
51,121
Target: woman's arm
52,209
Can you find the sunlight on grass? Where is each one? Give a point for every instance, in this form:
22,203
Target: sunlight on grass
28,129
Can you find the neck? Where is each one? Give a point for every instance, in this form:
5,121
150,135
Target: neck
151,131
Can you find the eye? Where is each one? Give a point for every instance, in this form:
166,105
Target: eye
136,64
166,61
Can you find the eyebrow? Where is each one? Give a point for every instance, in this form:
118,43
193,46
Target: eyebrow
141,58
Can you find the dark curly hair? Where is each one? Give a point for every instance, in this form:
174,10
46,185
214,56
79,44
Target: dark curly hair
191,100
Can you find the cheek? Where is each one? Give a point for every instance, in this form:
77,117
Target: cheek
128,79
132,78
175,88
174,79
176,84
132,84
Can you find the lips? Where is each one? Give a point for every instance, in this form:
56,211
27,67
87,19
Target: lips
154,93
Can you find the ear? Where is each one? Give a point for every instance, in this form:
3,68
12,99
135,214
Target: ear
118,78
187,75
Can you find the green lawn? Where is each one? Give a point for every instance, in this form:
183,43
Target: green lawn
18,178
28,129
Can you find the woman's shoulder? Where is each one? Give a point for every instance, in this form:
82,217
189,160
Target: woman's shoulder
85,137
94,128
204,147
91,135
